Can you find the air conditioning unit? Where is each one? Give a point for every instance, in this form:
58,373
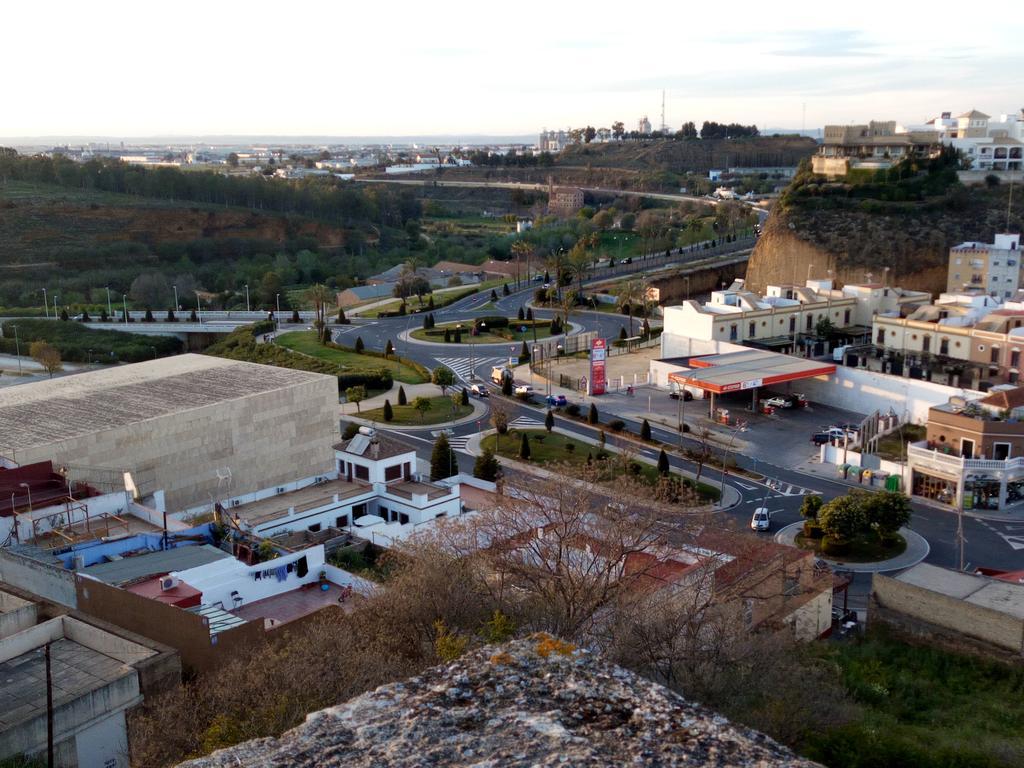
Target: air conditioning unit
280,489
235,502
169,582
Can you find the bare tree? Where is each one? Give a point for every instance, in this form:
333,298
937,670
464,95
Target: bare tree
319,296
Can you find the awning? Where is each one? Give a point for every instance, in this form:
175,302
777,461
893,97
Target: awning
735,371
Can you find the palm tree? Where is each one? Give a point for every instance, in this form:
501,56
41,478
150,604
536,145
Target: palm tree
519,249
568,304
319,296
556,264
633,293
579,261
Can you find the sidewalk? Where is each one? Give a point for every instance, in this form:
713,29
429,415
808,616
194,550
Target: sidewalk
916,551
729,499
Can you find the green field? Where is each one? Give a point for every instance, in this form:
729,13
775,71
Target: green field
306,343
441,410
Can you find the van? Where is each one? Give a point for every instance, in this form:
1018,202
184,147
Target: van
499,373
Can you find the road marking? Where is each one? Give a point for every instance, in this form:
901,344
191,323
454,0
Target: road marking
463,368
525,422
745,486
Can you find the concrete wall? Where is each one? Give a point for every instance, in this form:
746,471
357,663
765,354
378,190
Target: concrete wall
186,632
811,620
48,581
922,605
16,614
265,439
864,391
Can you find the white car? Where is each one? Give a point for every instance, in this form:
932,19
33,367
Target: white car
523,389
777,402
479,390
761,521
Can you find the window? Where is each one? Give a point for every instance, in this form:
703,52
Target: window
881,336
792,324
752,330
1001,451
733,332
944,346
358,511
313,528
394,472
1015,358
846,317
810,322
362,473
341,521
926,344
994,355
967,448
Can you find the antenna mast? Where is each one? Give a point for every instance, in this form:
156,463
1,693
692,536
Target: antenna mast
663,126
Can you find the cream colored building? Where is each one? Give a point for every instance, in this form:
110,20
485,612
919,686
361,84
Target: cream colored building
197,428
993,268
875,146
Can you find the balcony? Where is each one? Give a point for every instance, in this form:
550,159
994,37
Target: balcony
922,455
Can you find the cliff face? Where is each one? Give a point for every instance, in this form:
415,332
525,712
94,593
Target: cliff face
914,242
532,702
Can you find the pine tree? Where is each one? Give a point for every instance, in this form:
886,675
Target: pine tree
524,353
458,335
494,295
663,463
359,344
593,417
645,430
524,447
402,400
447,335
342,320
504,289
529,314
486,466
389,349
522,315
295,316
443,461
549,421
506,386
389,414
465,396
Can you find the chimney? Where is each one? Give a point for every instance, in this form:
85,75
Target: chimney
375,449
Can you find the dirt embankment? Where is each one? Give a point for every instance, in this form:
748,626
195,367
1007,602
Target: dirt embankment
914,245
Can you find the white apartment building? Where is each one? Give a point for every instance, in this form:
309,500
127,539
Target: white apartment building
987,143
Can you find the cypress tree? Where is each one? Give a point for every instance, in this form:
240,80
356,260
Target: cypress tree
529,314
522,315
465,396
645,431
295,316
389,414
458,335
506,386
430,303
426,322
524,447
593,417
341,316
494,295
389,349
359,344
549,421
447,335
622,333
504,289
663,463
486,466
524,353
443,461
401,396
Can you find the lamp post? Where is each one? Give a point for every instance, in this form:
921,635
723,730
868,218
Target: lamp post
687,278
248,308
176,307
17,348
278,299
55,297
199,308
533,362
28,490
124,301
110,311
46,306
725,464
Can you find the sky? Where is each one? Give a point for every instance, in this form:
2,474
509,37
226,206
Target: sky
222,67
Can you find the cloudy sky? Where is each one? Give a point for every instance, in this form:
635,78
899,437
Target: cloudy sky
451,67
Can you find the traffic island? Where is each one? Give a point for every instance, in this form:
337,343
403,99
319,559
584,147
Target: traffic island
915,549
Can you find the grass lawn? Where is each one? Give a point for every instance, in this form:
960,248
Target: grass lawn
863,550
889,447
921,707
554,447
306,343
440,410
497,336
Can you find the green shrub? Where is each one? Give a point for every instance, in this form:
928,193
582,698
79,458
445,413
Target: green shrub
573,409
616,425
812,530
830,546
74,342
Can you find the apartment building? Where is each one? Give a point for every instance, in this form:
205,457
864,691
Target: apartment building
988,144
564,201
973,454
993,268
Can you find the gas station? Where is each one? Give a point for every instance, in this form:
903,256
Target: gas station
717,375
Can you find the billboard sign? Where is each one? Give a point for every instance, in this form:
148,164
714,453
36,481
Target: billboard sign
598,356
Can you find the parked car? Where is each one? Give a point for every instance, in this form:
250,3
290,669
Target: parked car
761,521
687,395
556,401
479,390
776,402
523,389
820,438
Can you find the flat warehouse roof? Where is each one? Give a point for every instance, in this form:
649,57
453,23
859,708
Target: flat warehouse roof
734,371
58,409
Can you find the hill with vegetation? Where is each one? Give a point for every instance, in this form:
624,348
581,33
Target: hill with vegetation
76,228
905,219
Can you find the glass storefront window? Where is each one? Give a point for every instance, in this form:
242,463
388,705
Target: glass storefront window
981,492
935,488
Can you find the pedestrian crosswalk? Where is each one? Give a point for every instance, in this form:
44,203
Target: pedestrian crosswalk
525,422
464,366
788,489
457,442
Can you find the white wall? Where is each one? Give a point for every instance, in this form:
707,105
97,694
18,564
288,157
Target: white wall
865,391
111,503
219,579
104,743
676,345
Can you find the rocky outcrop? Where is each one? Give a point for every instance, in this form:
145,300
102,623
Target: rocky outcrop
535,702
855,241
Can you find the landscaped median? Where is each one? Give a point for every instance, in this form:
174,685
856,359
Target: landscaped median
484,330
859,527
423,411
305,342
556,449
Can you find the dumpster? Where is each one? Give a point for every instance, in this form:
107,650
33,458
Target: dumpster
892,483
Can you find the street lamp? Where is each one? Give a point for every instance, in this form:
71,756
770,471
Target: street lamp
176,306
124,301
110,311
28,489
46,306
725,464
248,308
277,317
17,348
55,297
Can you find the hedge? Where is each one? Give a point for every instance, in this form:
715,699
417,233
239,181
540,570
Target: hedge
74,342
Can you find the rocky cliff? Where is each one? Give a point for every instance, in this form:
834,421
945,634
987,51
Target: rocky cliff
866,237
534,702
